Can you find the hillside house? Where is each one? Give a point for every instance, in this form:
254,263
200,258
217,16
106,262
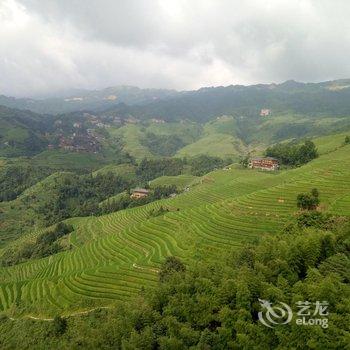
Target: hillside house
264,163
265,112
139,193
131,120
157,121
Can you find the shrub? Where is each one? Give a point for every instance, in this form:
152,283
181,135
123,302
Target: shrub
169,267
308,201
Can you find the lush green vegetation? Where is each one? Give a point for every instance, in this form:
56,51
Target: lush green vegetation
115,255
80,195
185,266
204,164
65,194
163,145
149,169
293,154
14,179
308,201
180,181
44,245
21,132
215,306
125,201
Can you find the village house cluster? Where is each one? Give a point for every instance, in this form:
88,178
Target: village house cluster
265,112
139,193
80,143
264,163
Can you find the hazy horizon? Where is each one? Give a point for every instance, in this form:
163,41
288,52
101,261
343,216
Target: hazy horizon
70,92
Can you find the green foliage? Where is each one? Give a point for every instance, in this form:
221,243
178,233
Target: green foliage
76,195
125,201
347,140
14,179
308,201
244,161
170,266
215,306
59,326
204,164
158,212
21,132
149,169
316,219
45,244
293,154
162,145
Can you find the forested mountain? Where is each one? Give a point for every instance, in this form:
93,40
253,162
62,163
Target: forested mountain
330,97
221,121
22,132
94,100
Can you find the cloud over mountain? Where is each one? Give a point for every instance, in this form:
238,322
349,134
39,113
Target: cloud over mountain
49,46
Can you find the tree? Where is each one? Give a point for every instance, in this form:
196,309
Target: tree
244,161
293,154
171,265
308,201
315,193
59,325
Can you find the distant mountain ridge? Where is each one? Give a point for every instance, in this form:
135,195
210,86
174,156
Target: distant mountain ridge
327,98
94,100
323,97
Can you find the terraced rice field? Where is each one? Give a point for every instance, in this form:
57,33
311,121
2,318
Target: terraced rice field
115,255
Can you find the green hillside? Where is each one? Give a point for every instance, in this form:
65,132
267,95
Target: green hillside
180,181
21,132
114,255
124,170
131,136
214,145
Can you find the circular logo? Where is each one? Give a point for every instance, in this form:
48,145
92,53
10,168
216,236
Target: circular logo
274,315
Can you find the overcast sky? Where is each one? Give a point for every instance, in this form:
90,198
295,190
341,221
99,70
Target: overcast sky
47,46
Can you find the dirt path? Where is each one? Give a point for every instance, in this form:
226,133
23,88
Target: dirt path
78,313
144,268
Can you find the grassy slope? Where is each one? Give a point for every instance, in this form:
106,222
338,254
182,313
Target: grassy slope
20,214
2,162
330,143
58,159
118,253
131,136
219,138
123,170
180,181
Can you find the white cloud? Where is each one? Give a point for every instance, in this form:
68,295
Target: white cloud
52,45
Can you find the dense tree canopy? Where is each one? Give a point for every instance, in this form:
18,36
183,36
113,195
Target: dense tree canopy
163,145
293,154
308,201
14,179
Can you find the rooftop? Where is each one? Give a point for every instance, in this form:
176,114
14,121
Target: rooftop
140,190
264,158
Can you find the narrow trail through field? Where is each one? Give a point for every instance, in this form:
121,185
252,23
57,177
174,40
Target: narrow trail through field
78,313
145,268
